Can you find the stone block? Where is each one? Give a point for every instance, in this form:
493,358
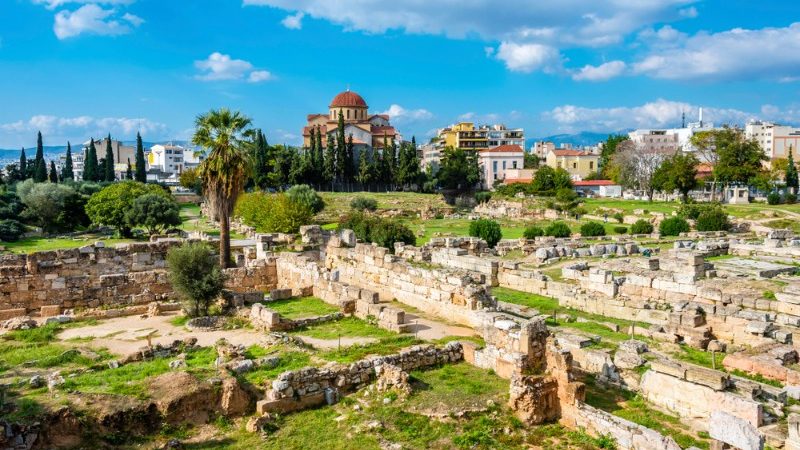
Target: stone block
707,377
50,310
735,431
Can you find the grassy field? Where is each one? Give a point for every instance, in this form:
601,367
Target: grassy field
41,244
338,203
298,308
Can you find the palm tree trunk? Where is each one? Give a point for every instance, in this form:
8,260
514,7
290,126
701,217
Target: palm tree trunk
224,240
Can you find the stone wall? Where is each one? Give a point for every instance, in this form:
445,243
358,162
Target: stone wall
512,346
311,386
626,434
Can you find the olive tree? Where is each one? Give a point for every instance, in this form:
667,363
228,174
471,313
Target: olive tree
196,276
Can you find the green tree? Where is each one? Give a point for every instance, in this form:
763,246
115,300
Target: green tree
608,150
319,155
329,164
23,165
39,164
51,206
486,229
110,206
408,170
677,173
67,171
739,161
53,174
459,169
141,168
272,213
225,133
531,161
108,174
261,163
791,173
154,212
303,194
364,175
341,149
196,276
548,180
90,164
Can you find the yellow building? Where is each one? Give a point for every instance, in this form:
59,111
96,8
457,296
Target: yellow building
579,164
464,135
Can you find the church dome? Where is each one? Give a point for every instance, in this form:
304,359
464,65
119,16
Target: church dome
348,99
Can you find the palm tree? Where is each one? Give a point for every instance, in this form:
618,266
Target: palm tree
226,134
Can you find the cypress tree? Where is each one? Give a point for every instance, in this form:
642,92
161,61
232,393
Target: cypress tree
66,172
329,164
791,173
108,174
23,165
318,154
141,170
53,173
349,164
90,163
40,165
261,170
129,173
101,169
341,150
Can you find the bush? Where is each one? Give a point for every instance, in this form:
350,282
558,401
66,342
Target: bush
713,220
10,230
620,230
558,229
511,190
51,206
483,196
110,206
384,232
642,226
790,198
532,232
619,217
673,226
196,276
362,203
302,194
773,198
155,213
486,229
272,213
593,229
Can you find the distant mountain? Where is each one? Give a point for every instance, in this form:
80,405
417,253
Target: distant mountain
577,139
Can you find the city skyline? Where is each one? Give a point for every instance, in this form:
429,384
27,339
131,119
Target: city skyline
79,68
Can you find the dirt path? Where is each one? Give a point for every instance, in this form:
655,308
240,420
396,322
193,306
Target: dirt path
430,329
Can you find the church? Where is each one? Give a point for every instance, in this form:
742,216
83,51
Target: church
367,130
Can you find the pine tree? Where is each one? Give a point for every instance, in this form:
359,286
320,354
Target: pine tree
108,174
67,171
40,165
129,172
23,165
141,170
90,163
53,173
791,173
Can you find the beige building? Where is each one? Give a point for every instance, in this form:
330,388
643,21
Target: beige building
496,162
656,141
579,164
775,139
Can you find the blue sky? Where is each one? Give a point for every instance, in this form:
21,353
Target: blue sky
80,68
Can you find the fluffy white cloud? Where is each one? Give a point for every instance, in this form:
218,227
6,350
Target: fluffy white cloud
60,129
92,19
735,54
293,21
400,114
600,73
528,57
218,67
658,114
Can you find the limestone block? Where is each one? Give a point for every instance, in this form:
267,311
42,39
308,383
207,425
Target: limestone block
735,431
714,379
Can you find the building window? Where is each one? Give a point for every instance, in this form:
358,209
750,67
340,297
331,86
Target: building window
591,165
504,165
574,165
494,168
348,114
514,164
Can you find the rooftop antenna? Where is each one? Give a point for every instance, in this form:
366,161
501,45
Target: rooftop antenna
683,119
701,117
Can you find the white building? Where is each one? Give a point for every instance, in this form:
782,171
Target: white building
670,139
500,135
192,159
495,162
775,139
429,156
168,159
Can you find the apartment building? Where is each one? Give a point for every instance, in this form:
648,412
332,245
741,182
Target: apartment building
496,162
122,153
774,139
167,159
663,141
578,164
499,135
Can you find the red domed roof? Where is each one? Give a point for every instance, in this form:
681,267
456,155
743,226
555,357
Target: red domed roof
348,99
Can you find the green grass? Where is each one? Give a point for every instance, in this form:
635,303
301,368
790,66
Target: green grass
297,308
455,386
545,305
41,244
700,357
26,411
347,327
289,360
384,346
179,320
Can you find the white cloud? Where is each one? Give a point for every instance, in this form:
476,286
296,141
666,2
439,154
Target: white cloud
528,57
133,19
657,114
219,67
53,4
57,130
690,12
771,53
600,73
293,21
91,19
401,115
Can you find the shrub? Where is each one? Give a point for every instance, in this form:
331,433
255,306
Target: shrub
486,229
790,198
619,217
713,220
593,229
483,196
773,198
620,230
54,207
110,206
533,231
10,230
558,229
155,213
195,275
302,194
511,190
272,213
642,226
673,226
362,203
691,210
384,232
